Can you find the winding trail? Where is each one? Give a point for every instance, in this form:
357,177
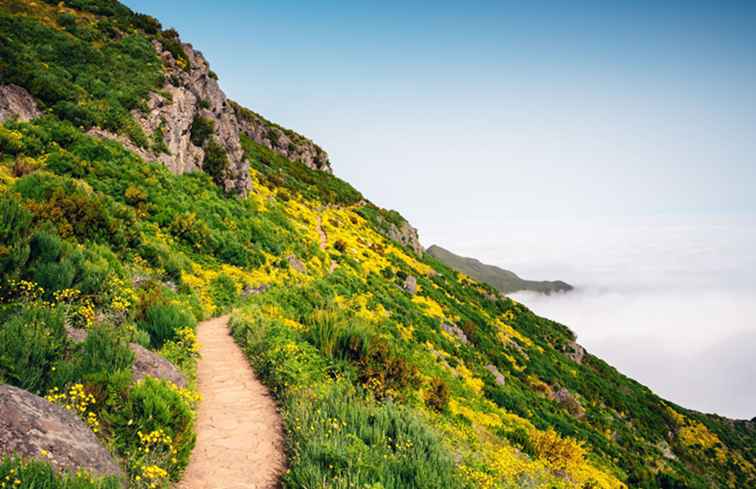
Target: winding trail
239,433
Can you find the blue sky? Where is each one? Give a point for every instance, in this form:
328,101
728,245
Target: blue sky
608,144
508,109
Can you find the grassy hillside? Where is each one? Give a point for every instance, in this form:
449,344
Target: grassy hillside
451,386
502,280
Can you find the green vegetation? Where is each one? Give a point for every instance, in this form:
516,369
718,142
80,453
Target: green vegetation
39,475
379,388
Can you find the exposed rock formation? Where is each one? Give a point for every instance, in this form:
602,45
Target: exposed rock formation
498,376
284,141
569,402
148,363
575,351
410,284
16,102
406,235
32,427
455,331
192,94
296,264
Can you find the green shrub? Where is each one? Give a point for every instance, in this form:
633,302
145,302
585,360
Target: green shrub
153,405
215,163
162,321
33,474
14,232
224,293
201,130
30,344
101,354
438,396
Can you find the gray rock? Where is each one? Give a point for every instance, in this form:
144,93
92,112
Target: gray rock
77,335
500,379
32,427
406,235
455,331
192,93
575,351
291,145
249,290
16,102
148,363
569,402
296,264
410,284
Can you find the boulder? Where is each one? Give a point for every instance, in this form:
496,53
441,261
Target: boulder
410,284
32,427
17,103
497,375
575,351
148,363
296,264
455,331
406,235
569,402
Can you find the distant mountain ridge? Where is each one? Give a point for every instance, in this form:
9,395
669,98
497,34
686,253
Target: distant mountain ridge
504,281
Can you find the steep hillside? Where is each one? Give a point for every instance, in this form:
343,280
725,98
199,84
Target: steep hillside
502,280
136,200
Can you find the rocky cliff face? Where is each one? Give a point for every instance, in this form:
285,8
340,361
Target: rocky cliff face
187,95
293,146
192,92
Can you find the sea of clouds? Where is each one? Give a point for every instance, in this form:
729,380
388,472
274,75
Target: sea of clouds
669,301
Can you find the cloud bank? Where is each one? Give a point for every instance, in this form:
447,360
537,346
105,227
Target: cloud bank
671,303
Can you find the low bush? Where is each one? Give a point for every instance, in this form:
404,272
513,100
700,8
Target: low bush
14,232
201,130
162,321
224,293
28,474
93,361
154,428
31,342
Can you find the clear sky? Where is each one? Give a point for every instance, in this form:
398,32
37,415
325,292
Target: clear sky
611,144
480,110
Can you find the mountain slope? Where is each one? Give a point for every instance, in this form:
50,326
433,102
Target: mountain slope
502,280
381,385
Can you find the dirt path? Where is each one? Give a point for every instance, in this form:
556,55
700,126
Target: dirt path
323,237
239,436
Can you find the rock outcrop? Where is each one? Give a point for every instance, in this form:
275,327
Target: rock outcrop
406,235
32,427
410,284
296,264
17,103
288,143
575,351
148,363
455,330
569,402
498,376
191,93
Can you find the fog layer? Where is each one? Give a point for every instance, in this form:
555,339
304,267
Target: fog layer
671,303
